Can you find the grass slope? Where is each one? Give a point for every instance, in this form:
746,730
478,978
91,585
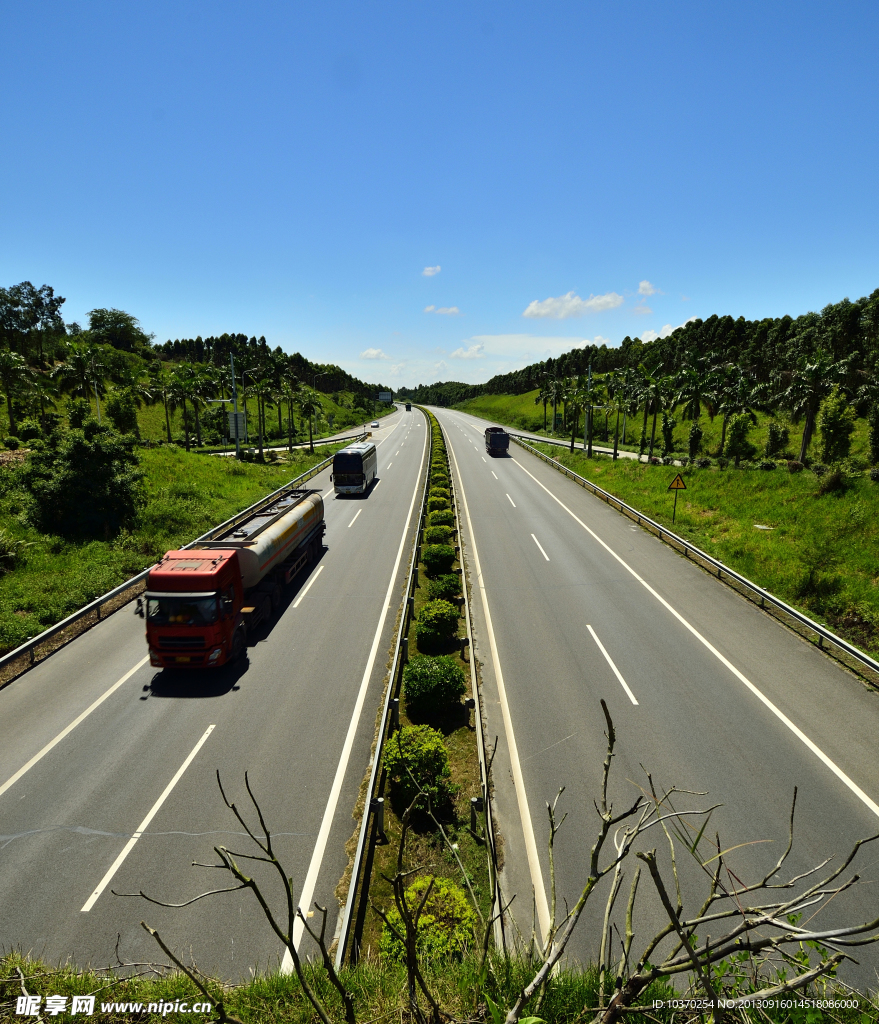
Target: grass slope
521,413
819,555
186,495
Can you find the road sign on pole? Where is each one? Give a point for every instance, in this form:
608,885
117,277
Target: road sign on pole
676,485
385,396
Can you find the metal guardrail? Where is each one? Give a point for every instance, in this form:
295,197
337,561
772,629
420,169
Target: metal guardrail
767,600
367,820
29,647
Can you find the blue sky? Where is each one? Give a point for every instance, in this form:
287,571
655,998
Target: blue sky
426,192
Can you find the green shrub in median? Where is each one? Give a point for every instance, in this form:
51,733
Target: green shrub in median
435,504
446,926
432,684
438,534
416,759
444,588
437,623
439,492
441,517
438,558
439,479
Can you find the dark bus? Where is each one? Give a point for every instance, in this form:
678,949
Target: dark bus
354,468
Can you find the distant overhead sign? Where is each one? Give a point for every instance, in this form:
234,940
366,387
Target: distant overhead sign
677,484
386,396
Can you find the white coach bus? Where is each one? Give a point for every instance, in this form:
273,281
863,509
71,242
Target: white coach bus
354,468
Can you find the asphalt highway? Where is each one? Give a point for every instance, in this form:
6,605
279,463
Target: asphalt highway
108,767
574,603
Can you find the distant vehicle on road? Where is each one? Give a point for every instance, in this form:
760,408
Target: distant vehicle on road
354,468
200,602
408,407
497,440
374,423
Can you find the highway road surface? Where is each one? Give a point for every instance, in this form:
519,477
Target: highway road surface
107,766
574,603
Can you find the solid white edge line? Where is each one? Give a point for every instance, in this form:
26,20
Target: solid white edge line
515,766
142,827
537,542
779,714
511,501
65,732
616,671
309,585
330,811
355,518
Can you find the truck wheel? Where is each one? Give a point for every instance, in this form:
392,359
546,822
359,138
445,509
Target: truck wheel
239,641
276,596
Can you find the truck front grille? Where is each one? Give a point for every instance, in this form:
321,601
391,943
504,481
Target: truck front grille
181,642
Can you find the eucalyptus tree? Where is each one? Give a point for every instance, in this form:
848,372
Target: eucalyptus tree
801,391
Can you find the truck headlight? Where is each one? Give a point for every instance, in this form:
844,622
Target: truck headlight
215,653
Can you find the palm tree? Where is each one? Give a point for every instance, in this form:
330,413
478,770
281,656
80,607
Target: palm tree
309,404
805,387
161,387
543,395
261,389
83,370
738,394
555,391
15,374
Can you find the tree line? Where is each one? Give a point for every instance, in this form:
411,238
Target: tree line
113,360
763,349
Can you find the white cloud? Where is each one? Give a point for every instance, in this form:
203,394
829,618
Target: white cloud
439,367
565,306
665,331
373,353
430,271
646,288
641,309
475,351
443,310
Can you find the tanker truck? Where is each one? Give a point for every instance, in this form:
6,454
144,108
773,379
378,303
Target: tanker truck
200,602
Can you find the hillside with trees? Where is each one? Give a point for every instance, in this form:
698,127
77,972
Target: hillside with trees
55,374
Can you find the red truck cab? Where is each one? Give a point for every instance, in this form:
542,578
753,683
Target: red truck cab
194,605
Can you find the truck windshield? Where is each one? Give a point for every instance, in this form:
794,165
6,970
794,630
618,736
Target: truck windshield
182,611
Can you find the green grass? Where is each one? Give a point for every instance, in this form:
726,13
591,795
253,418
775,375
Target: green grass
521,413
187,494
819,555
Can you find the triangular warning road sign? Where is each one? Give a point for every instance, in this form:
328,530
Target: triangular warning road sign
677,484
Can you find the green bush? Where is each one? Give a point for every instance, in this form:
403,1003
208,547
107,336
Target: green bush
85,484
439,492
78,411
444,588
437,623
11,442
439,479
446,927
29,430
435,504
438,558
441,517
416,761
431,684
121,407
438,534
